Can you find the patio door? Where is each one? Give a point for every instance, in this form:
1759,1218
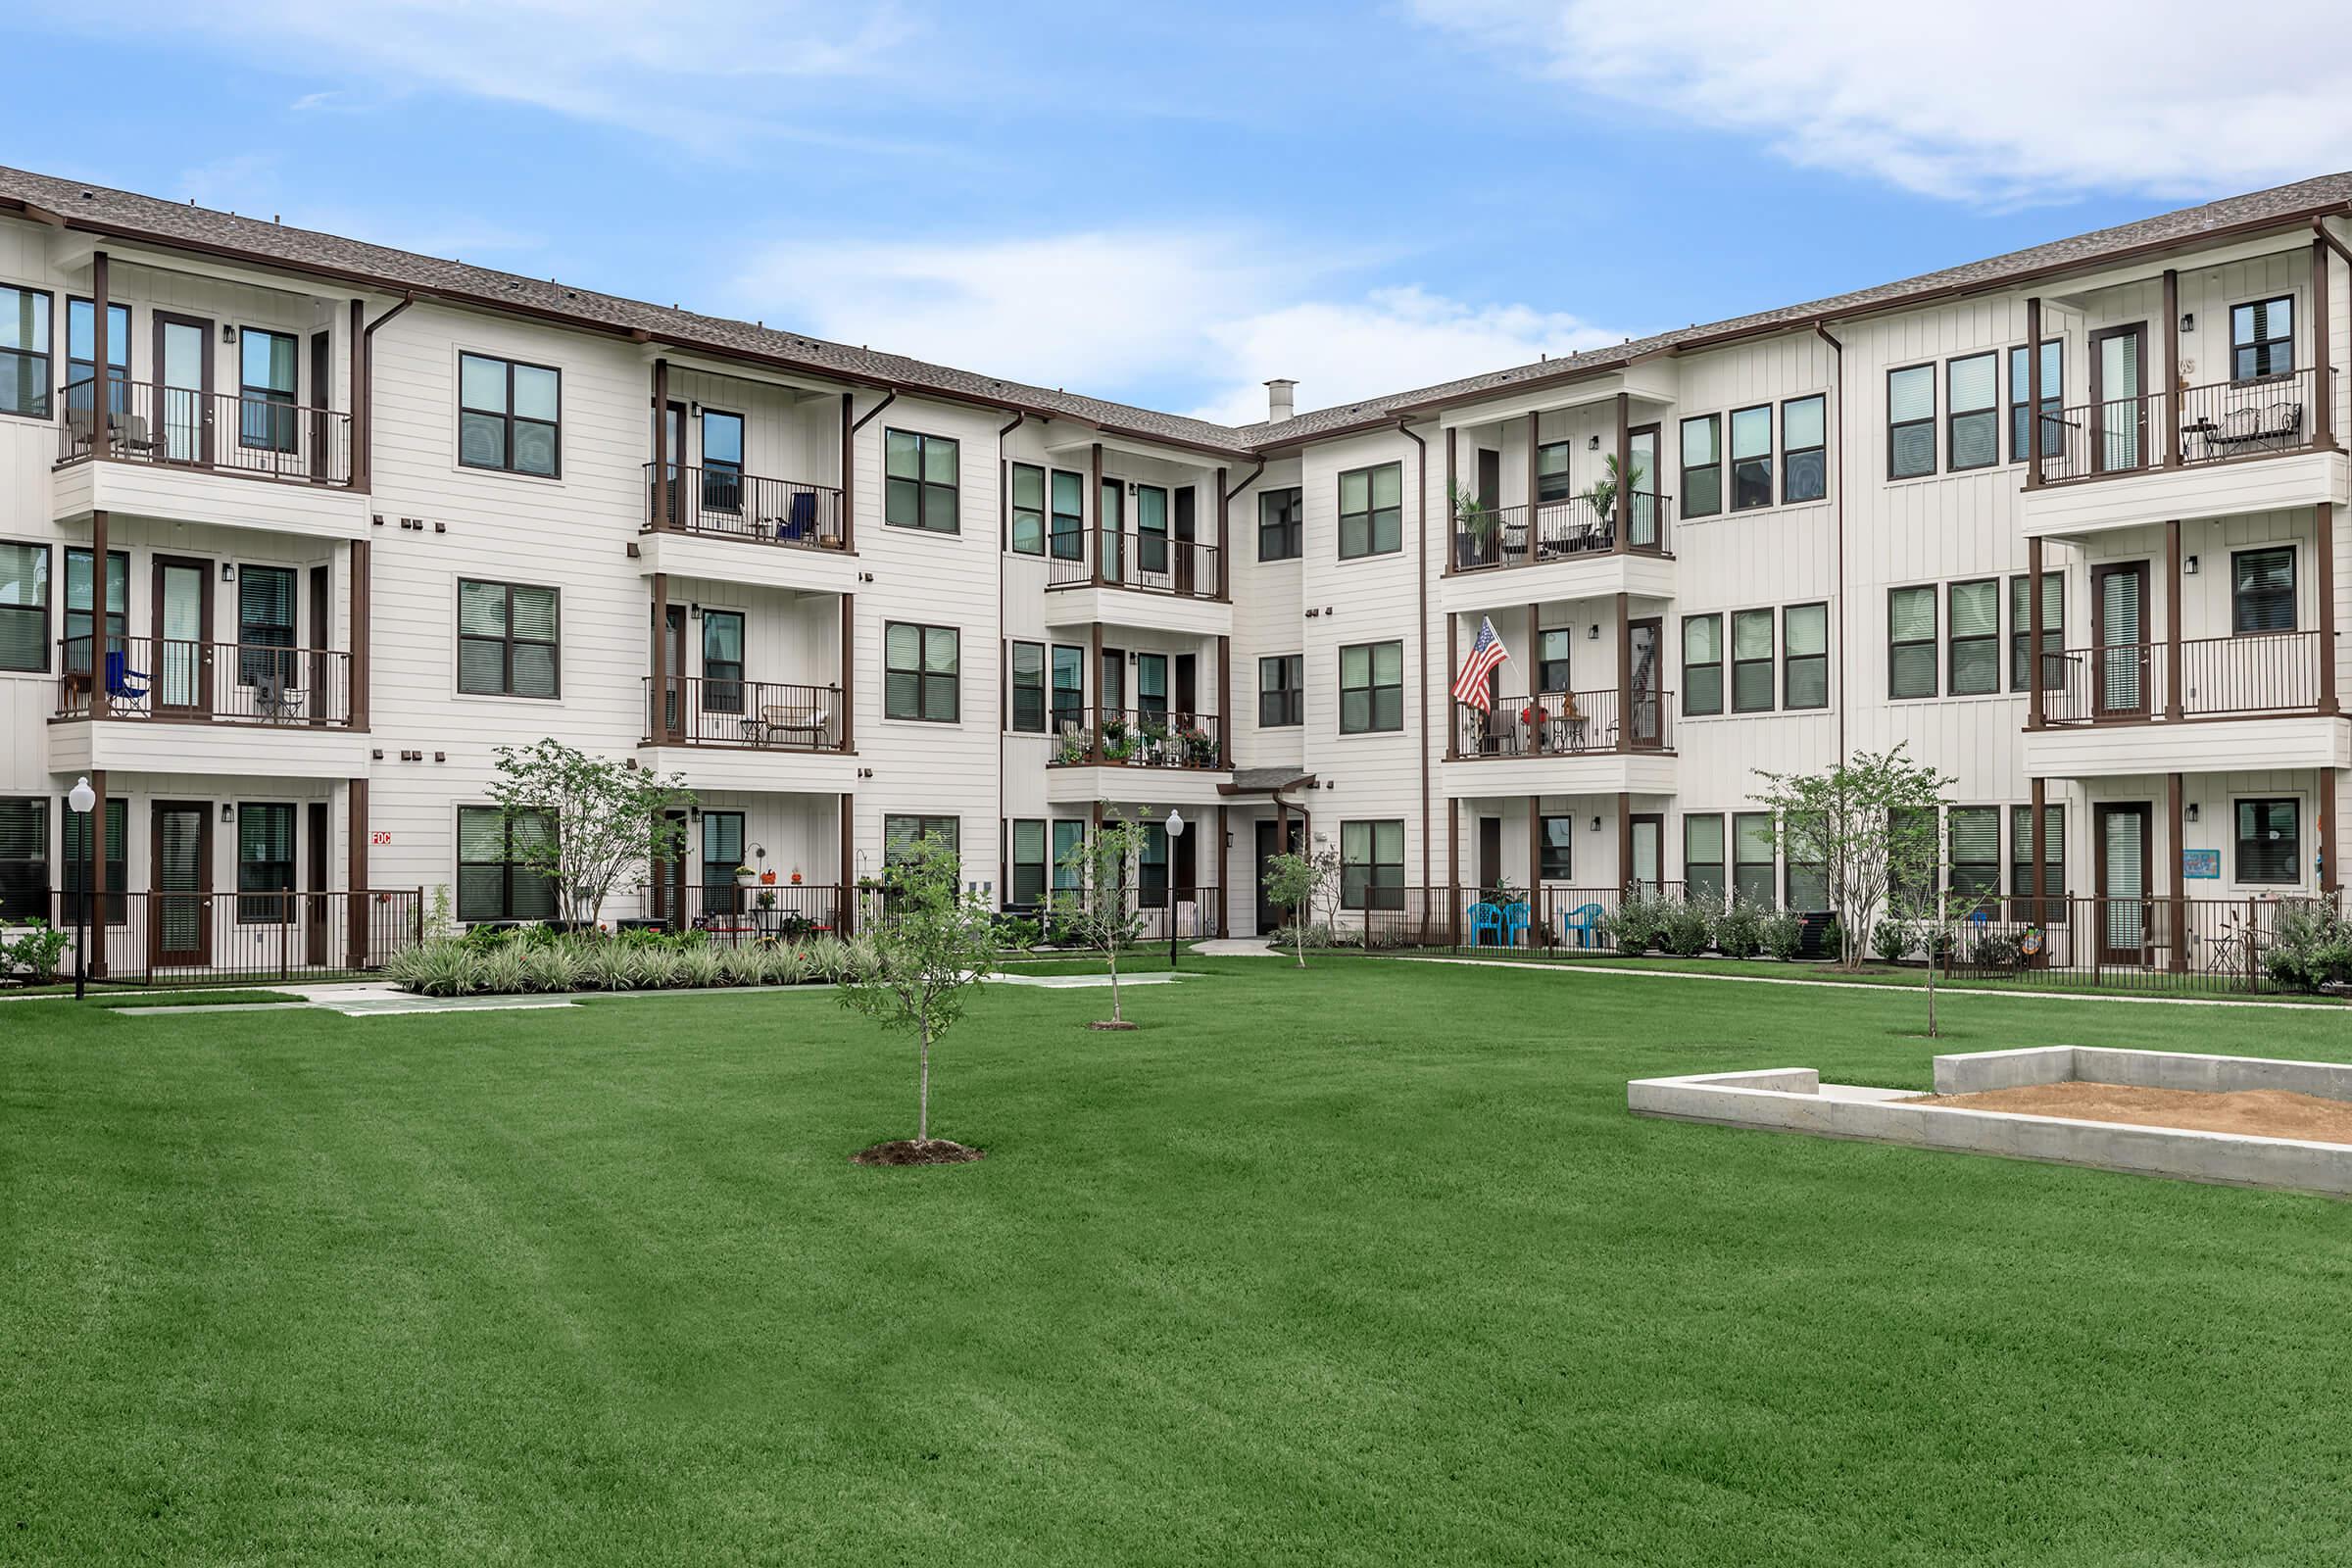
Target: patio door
1187,525
180,930
670,874
320,620
1648,837
2123,875
1269,831
314,912
1111,522
321,374
180,677
1643,507
673,682
184,381
1489,856
2118,356
2119,600
1645,724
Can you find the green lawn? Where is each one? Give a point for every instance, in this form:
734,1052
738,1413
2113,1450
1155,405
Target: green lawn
1361,1265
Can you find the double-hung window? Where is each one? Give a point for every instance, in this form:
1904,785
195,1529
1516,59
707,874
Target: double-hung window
1976,637
1752,857
1911,641
1552,648
2053,860
24,858
1279,524
1702,466
1805,884
1151,530
23,605
1069,687
266,632
722,856
80,371
506,640
1702,857
79,602
269,382
498,878
1371,688
1028,677
1911,421
1974,837
722,461
1551,472
265,862
722,660
1069,839
115,871
921,480
900,835
2262,590
1751,661
1556,861
1751,458
1702,663
1372,510
509,415
1026,851
1372,865
921,672
2053,400
1805,655
1067,540
1973,434
2053,630
1281,690
24,349
1804,450
1028,509
2270,840
2262,339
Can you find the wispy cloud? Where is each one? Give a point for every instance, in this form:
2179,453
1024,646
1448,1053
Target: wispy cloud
2001,102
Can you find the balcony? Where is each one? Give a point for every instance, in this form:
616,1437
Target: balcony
733,733
1570,548
185,705
696,528
1563,743
1152,754
2240,702
189,457
1137,579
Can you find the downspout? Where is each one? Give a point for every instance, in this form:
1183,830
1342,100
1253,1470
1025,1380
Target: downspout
1838,512
1247,480
364,411
1421,624
1005,652
867,418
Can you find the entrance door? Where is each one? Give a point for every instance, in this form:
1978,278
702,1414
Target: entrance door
673,684
314,912
1269,915
1644,726
1111,686
184,381
669,875
1489,856
1650,838
321,373
321,707
2118,356
180,930
2119,600
1642,510
181,676
676,468
1110,523
2123,874
1187,697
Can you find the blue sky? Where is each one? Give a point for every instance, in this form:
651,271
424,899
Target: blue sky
1167,205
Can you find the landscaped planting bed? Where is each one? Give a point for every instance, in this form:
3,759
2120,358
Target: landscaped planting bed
536,960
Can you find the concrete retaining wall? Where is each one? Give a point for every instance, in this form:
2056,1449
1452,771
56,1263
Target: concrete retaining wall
1978,1072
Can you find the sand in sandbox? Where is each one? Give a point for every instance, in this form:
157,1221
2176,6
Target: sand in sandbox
2254,1112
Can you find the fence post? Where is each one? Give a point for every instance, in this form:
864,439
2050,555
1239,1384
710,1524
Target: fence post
286,927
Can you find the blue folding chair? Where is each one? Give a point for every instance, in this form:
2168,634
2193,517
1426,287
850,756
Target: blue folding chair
124,685
801,523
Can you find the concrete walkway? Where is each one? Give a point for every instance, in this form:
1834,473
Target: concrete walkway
1235,948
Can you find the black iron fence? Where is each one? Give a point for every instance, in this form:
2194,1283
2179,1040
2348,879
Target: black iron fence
1491,537
156,938
268,435
716,499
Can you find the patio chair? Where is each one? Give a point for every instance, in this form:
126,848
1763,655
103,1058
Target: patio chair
798,524
125,687
804,722
1584,924
1485,917
1515,923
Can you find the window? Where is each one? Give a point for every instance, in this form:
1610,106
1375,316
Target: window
265,862
1069,687
1751,458
1911,848
267,387
266,640
1371,688
75,878
1027,853
1152,528
1110,681
1069,516
722,856
1973,437
1702,466
1372,510
1702,858
1110,520
1152,867
1281,690
1911,641
920,482
2262,339
722,461
2053,860
1556,860
1551,472
1151,687
2262,590
509,415
722,660
1702,663
1028,713
1976,851
23,605
1751,661
1976,650
1028,509
1551,658
1806,885
900,833
1068,838
506,640
2053,630
2053,400
495,880
1911,421
1372,865
78,602
2268,839
1805,655
1752,845
25,352
1804,450
24,858
79,371
919,672
1279,528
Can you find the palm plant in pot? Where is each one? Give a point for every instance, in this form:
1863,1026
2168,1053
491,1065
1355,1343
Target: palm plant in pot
1474,527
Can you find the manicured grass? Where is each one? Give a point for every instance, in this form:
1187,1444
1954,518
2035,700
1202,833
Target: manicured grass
1361,1265
192,998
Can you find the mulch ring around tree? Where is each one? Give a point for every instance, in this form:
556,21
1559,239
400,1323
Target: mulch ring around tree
1106,1024
916,1152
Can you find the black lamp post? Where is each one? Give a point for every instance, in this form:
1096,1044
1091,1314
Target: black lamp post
1175,832
82,798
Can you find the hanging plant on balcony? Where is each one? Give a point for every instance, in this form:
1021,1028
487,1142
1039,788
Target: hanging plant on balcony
1534,716
1114,729
745,876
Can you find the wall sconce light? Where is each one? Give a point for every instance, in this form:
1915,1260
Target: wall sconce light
2188,568
695,409
228,333
694,611
2188,812
2188,320
1593,444
1597,825
228,812
228,571
1592,632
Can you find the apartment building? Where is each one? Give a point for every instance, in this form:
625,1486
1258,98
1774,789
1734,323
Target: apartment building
2065,523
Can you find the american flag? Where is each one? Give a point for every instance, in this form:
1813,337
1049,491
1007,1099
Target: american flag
1470,686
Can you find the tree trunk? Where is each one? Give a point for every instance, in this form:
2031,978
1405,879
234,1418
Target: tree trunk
1114,987
923,1096
1931,993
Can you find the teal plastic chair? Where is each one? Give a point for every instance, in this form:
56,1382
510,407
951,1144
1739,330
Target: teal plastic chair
1583,923
1515,923
1485,917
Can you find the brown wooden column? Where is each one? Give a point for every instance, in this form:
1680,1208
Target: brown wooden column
2323,388
1624,675
1094,682
354,373
849,672
1534,852
657,712
1623,520
355,872
1093,510
2036,911
1224,542
94,847
660,452
2036,702
99,596
2176,887
1533,428
2033,402
1224,866
1224,703
2172,619
1625,840
849,471
1453,871
2169,411
363,632
2330,879
1452,551
2322,522
102,399
1535,664
846,855
1454,663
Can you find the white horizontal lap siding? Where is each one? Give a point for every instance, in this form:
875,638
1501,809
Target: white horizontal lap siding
1268,619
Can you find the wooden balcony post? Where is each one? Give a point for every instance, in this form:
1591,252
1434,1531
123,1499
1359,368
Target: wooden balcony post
2330,881
1224,551
94,841
2039,833
2172,619
99,579
2323,388
2033,412
102,400
1094,671
849,672
849,473
2036,702
1454,663
1535,859
1454,550
2323,518
356,398
1625,492
1624,675
2175,885
2168,412
846,852
660,456
355,878
1625,840
1224,703
657,718
1223,841
1533,434
1453,871
362,631
1093,509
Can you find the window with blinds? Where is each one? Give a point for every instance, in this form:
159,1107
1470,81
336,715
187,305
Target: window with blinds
722,660
1911,641
2053,400
495,879
1702,466
1975,834
2262,339
1027,853
722,855
921,675
1556,859
1702,663
1911,421
2262,590
1027,709
265,627
23,859
1069,837
1751,458
1911,848
1805,655
1281,690
1028,529
1372,865
74,849
1751,661
265,862
1752,857
267,366
921,481
2053,859
1066,539
2270,841
24,349
1804,450
1806,882
1975,653
506,640
900,833
2053,630
1069,687
1552,482
1702,857
509,415
23,607
1973,434
79,600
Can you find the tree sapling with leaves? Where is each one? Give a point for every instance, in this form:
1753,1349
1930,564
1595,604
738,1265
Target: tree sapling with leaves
586,823
1100,910
1300,883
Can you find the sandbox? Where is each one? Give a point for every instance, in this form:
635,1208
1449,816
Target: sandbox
2245,1121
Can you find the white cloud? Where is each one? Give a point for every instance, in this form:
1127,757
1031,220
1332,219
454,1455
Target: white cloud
1161,316
1999,101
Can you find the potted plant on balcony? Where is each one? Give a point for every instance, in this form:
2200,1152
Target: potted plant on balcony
1155,746
745,876
1200,747
1474,527
1117,743
1075,745
1535,716
1604,492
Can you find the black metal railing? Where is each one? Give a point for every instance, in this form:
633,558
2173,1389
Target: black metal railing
1147,560
2197,425
736,913
206,937
734,505
1486,538
2259,673
1140,737
186,679
1564,724
227,431
2134,944
760,715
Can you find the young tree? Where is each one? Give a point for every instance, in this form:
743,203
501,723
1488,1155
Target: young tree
1924,899
586,822
938,942
1868,823
1300,883
1101,912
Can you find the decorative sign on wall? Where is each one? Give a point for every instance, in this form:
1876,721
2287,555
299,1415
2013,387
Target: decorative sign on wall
2201,865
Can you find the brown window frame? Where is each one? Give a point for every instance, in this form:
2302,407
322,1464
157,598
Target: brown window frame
923,487
1723,690
1953,414
1369,517
1789,454
1789,660
1681,454
1734,462
46,356
1953,641
508,640
1930,642
923,673
509,418
40,612
1894,424
1017,688
2287,342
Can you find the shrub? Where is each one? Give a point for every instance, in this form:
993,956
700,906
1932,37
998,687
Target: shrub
498,972
1684,928
1782,934
787,966
861,959
1993,949
1317,935
550,968
701,966
1891,939
608,966
657,968
743,965
39,951
1634,927
829,957
2310,945
443,970
1739,930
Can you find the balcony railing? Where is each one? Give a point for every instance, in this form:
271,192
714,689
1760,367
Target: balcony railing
1146,561
226,432
228,683
756,714
1490,537
2261,673
2198,425
1139,737
1564,724
734,505
733,913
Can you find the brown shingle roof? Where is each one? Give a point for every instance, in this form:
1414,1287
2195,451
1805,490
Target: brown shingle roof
124,214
